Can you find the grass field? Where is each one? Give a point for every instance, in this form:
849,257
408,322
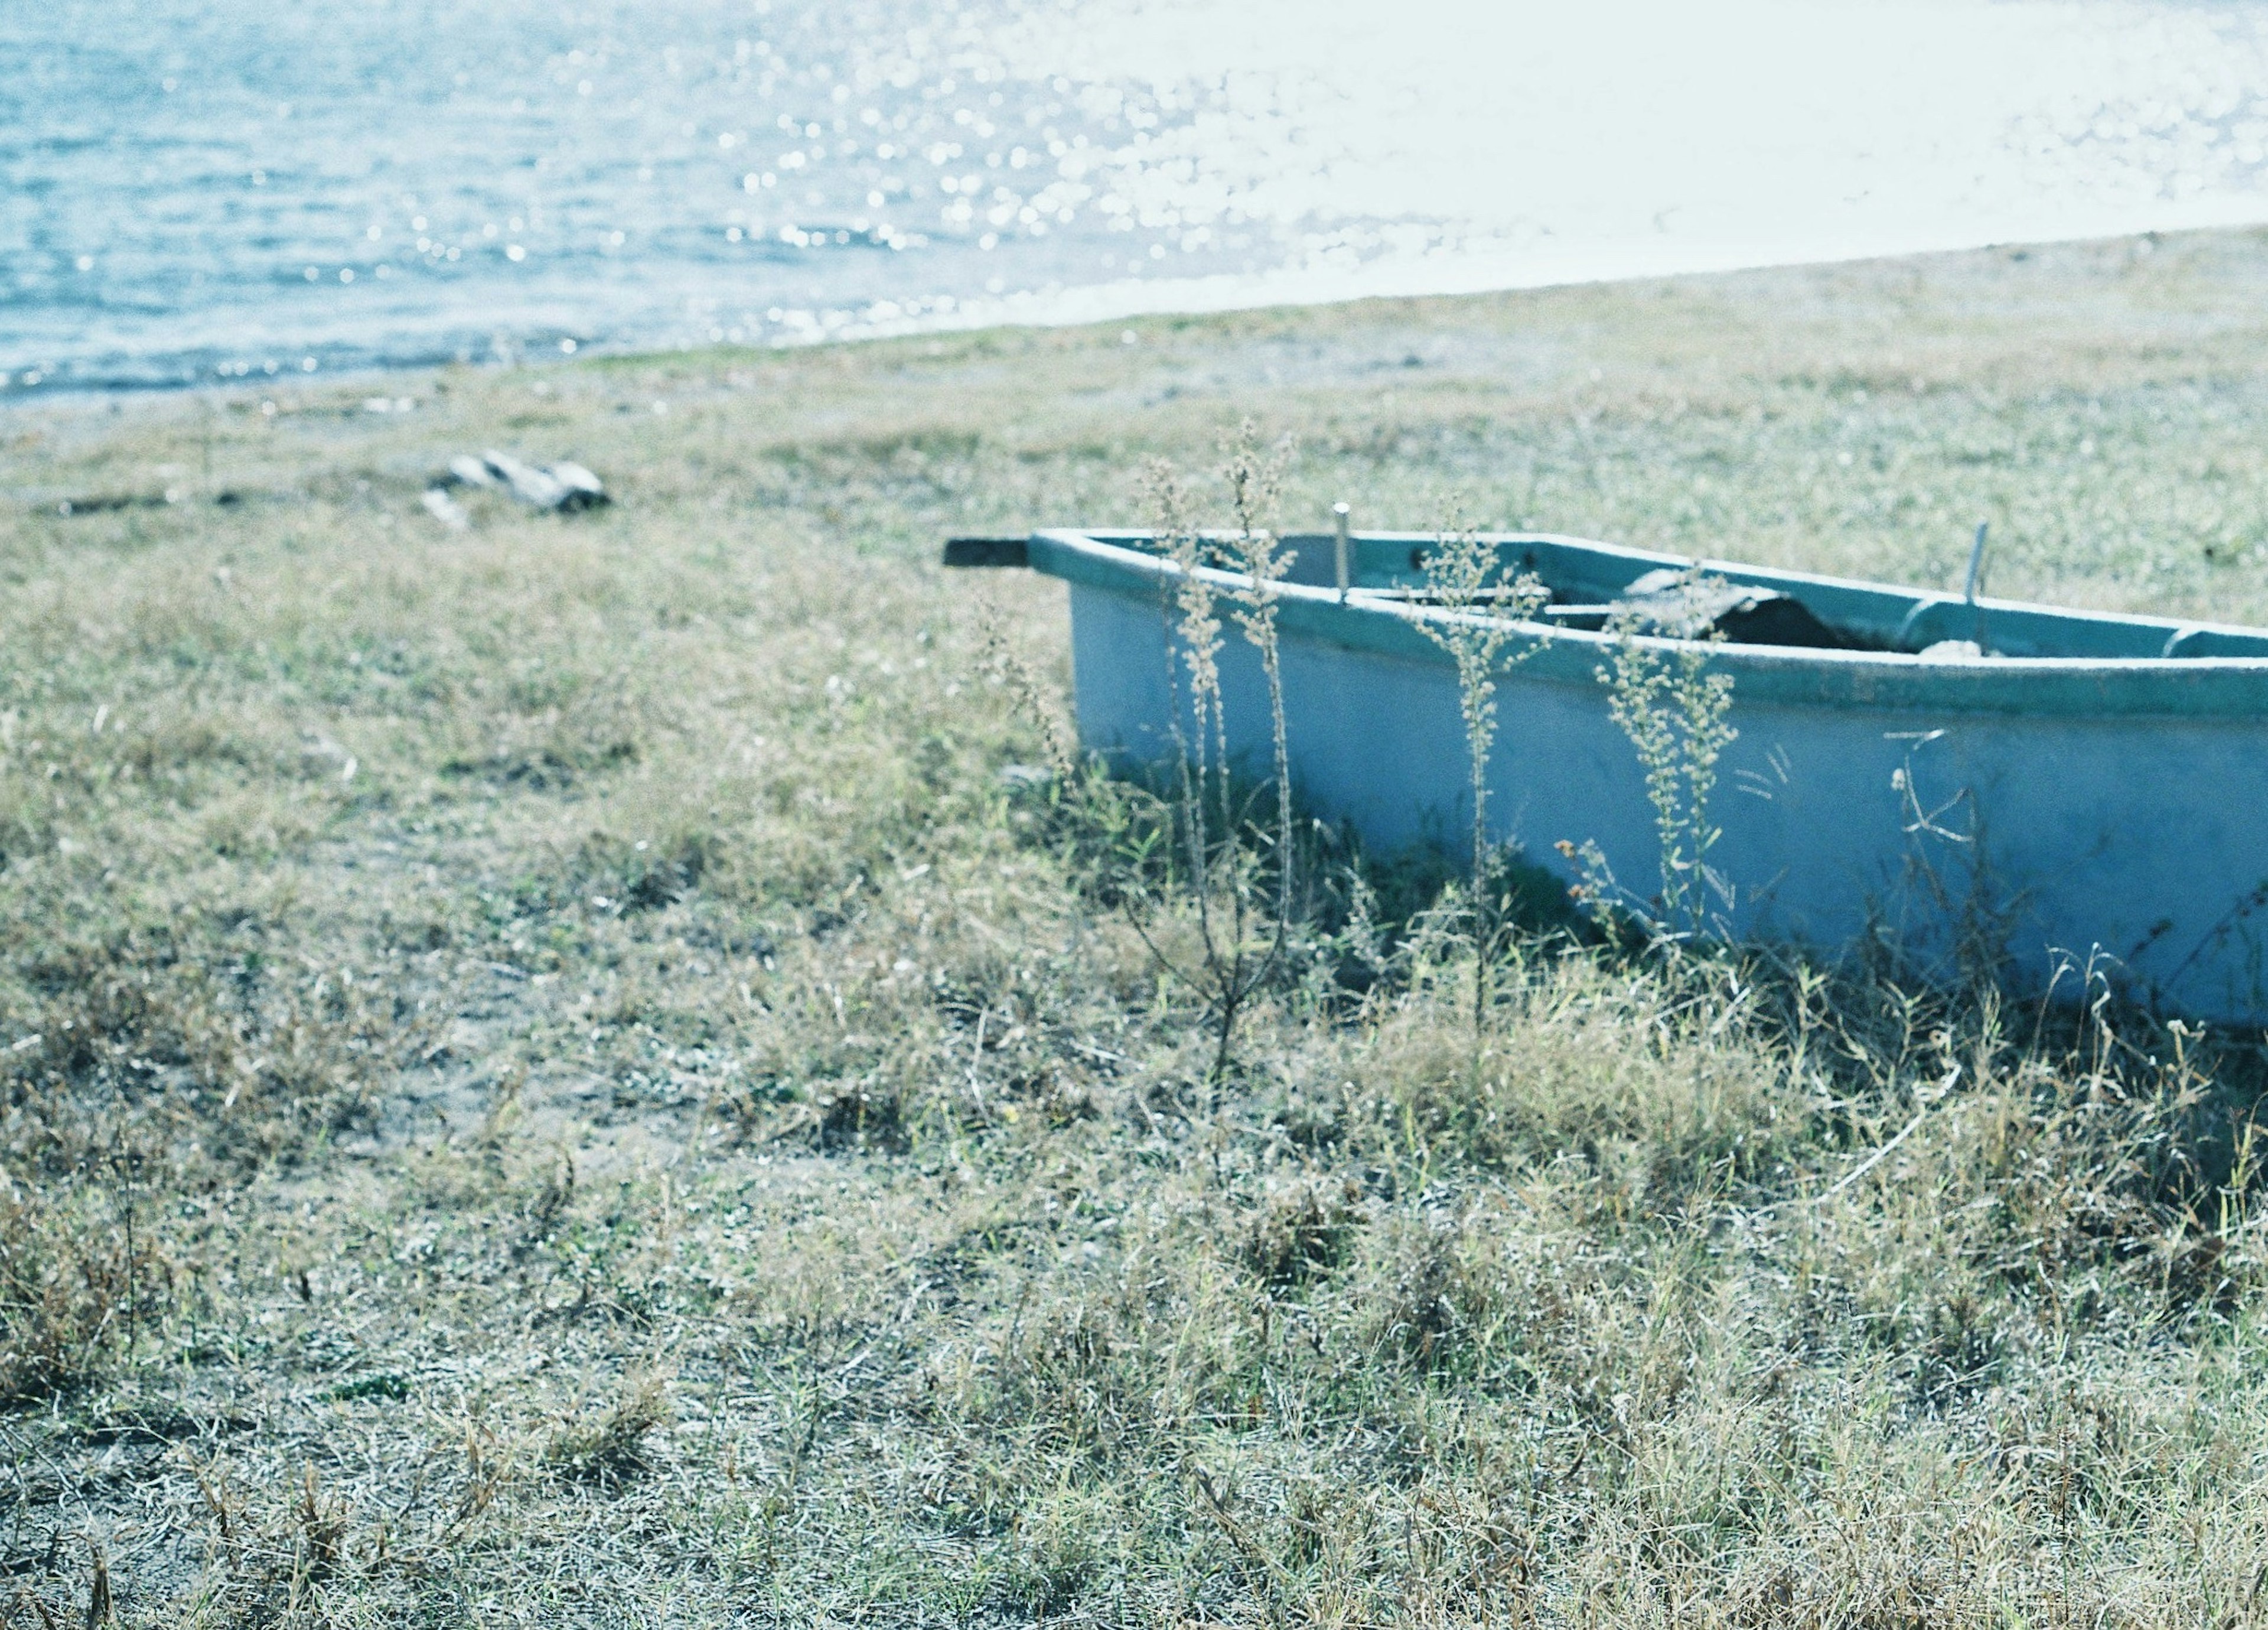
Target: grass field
549,1079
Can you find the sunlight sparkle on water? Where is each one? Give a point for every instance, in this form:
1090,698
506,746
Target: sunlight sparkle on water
197,184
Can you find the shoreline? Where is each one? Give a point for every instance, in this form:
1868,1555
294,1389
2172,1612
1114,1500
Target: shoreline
1285,291
1885,349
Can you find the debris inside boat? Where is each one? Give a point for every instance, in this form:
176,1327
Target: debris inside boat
1677,604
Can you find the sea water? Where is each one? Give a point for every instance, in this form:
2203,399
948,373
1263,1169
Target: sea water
195,190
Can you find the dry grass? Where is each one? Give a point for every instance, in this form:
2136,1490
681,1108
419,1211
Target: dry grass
546,1077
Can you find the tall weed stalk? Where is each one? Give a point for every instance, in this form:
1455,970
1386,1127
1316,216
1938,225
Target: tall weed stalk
1674,710
1468,580
1240,944
1255,481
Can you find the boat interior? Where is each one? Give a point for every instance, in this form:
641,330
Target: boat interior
1588,585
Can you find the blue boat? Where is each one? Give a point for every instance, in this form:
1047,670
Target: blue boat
2090,791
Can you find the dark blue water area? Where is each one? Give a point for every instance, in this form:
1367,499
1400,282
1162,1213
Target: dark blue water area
191,192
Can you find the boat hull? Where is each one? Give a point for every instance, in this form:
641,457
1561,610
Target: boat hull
2060,816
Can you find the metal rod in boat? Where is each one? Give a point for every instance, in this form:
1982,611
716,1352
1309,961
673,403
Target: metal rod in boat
1976,562
1339,516
1976,570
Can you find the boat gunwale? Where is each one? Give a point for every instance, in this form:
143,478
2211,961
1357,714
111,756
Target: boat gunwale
2082,687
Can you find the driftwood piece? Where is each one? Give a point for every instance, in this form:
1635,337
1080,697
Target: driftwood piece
562,487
